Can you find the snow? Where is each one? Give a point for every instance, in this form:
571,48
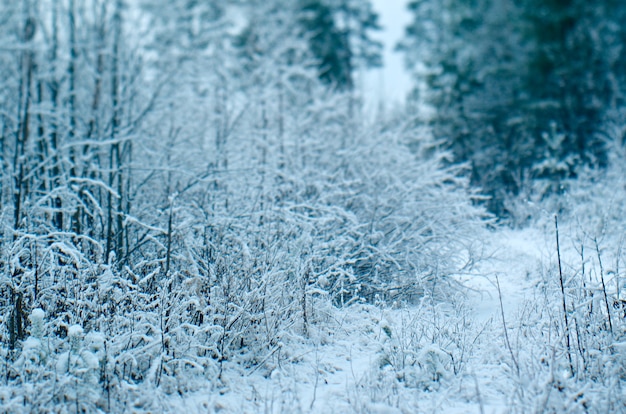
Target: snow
313,259
346,366
517,256
429,356
37,322
75,332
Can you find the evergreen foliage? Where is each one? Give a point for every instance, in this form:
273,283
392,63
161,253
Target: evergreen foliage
506,78
338,32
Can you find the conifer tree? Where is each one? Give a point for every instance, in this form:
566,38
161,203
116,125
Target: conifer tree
339,34
504,78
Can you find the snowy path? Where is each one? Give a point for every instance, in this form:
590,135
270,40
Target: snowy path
516,261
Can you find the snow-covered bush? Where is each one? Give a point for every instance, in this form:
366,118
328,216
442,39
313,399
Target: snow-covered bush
413,218
77,371
564,350
34,351
426,346
175,212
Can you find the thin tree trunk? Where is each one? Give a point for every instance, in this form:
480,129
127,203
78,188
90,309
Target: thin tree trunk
114,155
55,178
23,130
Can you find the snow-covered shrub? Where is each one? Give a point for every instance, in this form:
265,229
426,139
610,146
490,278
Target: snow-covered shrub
34,350
417,218
32,366
427,345
77,371
378,392
390,215
563,352
207,210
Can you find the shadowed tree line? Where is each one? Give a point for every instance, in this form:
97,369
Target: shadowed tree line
523,91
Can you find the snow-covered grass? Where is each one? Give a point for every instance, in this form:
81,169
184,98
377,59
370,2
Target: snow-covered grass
432,355
453,356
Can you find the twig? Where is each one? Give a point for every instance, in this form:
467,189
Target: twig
481,405
606,299
506,335
317,378
267,357
567,339
619,254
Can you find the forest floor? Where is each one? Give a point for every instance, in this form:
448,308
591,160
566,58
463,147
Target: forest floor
445,357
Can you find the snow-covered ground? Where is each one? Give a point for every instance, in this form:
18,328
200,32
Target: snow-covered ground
425,357
496,342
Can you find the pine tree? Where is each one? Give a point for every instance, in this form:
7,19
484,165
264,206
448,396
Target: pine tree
570,78
466,59
339,34
327,44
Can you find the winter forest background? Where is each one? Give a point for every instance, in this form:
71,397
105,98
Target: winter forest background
200,212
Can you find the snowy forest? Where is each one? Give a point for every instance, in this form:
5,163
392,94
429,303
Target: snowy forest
199,212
